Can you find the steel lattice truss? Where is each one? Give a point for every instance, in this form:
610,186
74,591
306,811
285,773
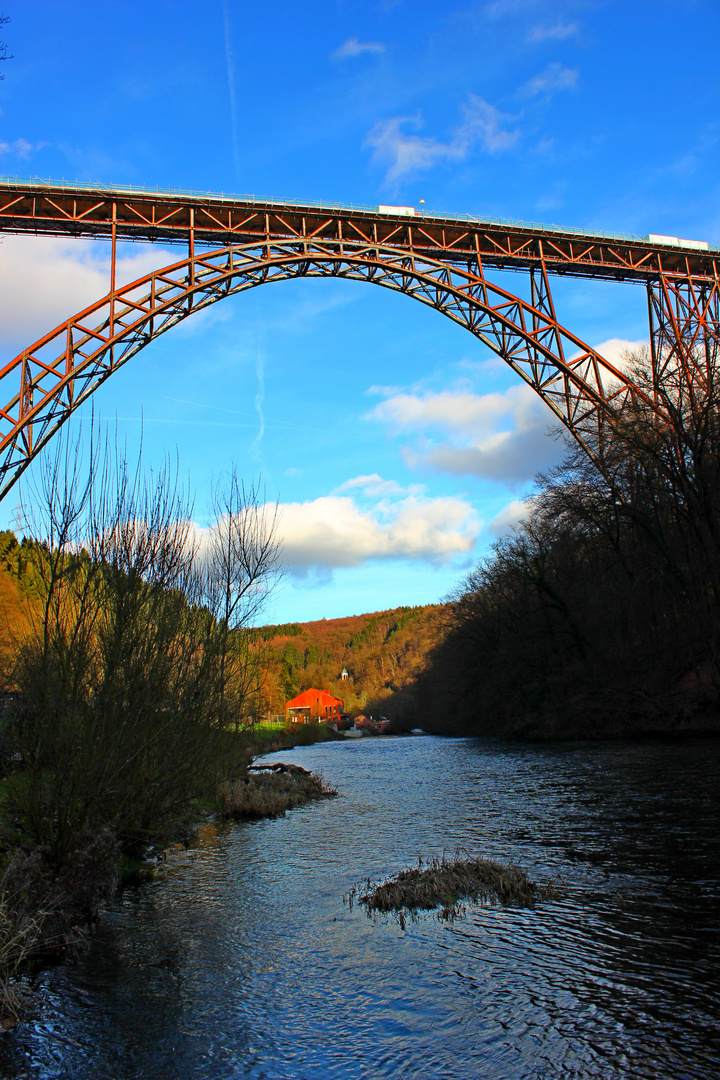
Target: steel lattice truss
62,369
685,328
46,382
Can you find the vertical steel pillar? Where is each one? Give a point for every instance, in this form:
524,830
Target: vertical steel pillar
113,263
191,256
542,303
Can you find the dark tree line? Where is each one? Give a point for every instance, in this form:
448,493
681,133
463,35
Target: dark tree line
599,614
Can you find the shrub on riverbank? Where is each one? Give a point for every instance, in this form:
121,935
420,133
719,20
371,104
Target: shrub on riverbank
133,680
443,885
19,937
270,791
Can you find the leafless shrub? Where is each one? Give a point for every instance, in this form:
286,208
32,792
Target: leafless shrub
44,909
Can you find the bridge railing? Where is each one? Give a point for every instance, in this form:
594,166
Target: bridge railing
39,184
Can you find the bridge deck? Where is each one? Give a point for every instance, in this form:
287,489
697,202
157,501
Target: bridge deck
216,220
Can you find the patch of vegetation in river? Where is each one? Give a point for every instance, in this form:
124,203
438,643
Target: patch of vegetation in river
444,886
271,790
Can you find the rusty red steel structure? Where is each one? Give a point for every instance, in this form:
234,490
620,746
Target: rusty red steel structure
233,244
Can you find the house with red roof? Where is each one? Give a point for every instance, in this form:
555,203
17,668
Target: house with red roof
314,705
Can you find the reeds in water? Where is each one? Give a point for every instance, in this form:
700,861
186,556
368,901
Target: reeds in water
19,937
443,885
269,792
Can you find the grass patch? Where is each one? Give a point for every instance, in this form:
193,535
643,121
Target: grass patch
270,739
442,885
270,790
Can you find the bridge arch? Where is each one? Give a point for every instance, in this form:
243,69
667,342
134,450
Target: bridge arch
45,383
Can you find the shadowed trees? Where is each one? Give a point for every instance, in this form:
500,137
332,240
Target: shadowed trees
599,614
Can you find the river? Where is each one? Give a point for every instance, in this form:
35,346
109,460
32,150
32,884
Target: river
240,959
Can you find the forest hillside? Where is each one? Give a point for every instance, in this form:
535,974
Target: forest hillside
382,653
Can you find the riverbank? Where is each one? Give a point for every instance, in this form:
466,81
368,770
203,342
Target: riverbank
47,908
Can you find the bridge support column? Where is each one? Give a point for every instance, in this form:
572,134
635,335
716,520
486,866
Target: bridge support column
191,256
684,328
113,263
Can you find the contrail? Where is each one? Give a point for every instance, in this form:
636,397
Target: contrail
259,399
236,412
255,445
231,85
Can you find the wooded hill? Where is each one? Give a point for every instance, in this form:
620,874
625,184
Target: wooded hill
382,653
18,589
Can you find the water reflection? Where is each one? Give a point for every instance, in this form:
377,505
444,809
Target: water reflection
241,960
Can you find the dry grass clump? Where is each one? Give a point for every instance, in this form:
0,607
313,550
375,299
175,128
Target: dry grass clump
268,791
44,909
19,937
443,884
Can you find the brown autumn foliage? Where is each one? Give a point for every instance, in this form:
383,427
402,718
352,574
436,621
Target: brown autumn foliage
17,597
381,651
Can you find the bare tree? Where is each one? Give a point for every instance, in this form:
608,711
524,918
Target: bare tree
241,566
132,675
4,55
242,556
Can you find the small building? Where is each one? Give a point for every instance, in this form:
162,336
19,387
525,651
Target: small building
313,705
344,674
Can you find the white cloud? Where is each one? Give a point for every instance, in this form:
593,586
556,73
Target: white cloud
510,516
506,437
406,155
484,124
378,390
464,412
352,46
556,32
497,436
372,484
554,77
618,352
332,532
21,148
44,280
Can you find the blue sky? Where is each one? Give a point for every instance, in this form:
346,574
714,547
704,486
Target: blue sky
396,445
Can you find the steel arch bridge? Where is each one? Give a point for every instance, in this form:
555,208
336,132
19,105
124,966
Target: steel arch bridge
233,244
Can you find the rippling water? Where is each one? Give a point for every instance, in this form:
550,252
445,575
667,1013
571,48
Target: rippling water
240,959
